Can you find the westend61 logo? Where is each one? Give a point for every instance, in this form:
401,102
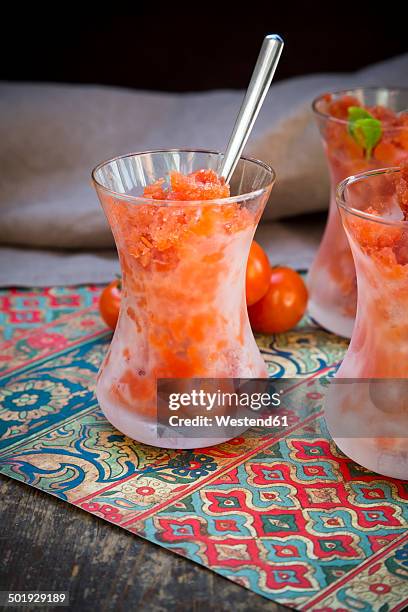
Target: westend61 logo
216,407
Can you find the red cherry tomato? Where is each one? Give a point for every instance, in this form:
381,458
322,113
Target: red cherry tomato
258,274
282,306
109,303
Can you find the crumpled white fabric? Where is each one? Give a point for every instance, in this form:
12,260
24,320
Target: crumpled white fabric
51,136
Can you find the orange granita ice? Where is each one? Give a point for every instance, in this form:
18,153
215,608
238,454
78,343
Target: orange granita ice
401,187
385,243
182,249
200,185
155,234
378,236
357,136
387,146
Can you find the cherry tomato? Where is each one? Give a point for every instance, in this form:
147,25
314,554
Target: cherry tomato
109,303
258,274
282,306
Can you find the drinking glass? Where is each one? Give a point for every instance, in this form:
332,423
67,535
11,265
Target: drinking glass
367,410
183,312
332,277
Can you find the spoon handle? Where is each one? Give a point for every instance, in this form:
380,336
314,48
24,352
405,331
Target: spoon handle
257,89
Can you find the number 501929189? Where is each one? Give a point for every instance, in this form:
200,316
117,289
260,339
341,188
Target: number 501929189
43,598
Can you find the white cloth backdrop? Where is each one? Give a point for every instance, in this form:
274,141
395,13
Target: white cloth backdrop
52,229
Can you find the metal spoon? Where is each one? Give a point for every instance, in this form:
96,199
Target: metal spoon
257,89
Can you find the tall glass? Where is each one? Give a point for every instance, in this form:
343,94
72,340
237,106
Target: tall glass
367,411
332,278
183,311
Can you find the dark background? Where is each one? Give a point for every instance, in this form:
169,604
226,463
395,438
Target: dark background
166,47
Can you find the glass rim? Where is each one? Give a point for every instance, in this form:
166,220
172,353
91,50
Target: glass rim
156,202
350,91
355,178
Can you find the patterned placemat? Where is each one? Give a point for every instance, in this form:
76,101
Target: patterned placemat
286,515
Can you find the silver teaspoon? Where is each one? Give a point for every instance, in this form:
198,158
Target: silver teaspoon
261,79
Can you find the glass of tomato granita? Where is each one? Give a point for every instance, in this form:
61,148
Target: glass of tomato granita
183,238
367,406
361,129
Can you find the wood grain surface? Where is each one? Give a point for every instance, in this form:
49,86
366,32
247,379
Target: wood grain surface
46,544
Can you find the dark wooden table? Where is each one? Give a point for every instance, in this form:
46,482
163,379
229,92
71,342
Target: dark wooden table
46,544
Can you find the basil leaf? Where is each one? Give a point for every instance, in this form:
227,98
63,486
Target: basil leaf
364,128
356,112
367,133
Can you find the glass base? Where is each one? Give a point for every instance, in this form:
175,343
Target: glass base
145,431
364,452
334,322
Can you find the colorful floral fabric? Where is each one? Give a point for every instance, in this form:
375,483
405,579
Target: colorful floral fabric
284,514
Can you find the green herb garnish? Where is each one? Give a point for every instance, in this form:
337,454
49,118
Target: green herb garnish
364,128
